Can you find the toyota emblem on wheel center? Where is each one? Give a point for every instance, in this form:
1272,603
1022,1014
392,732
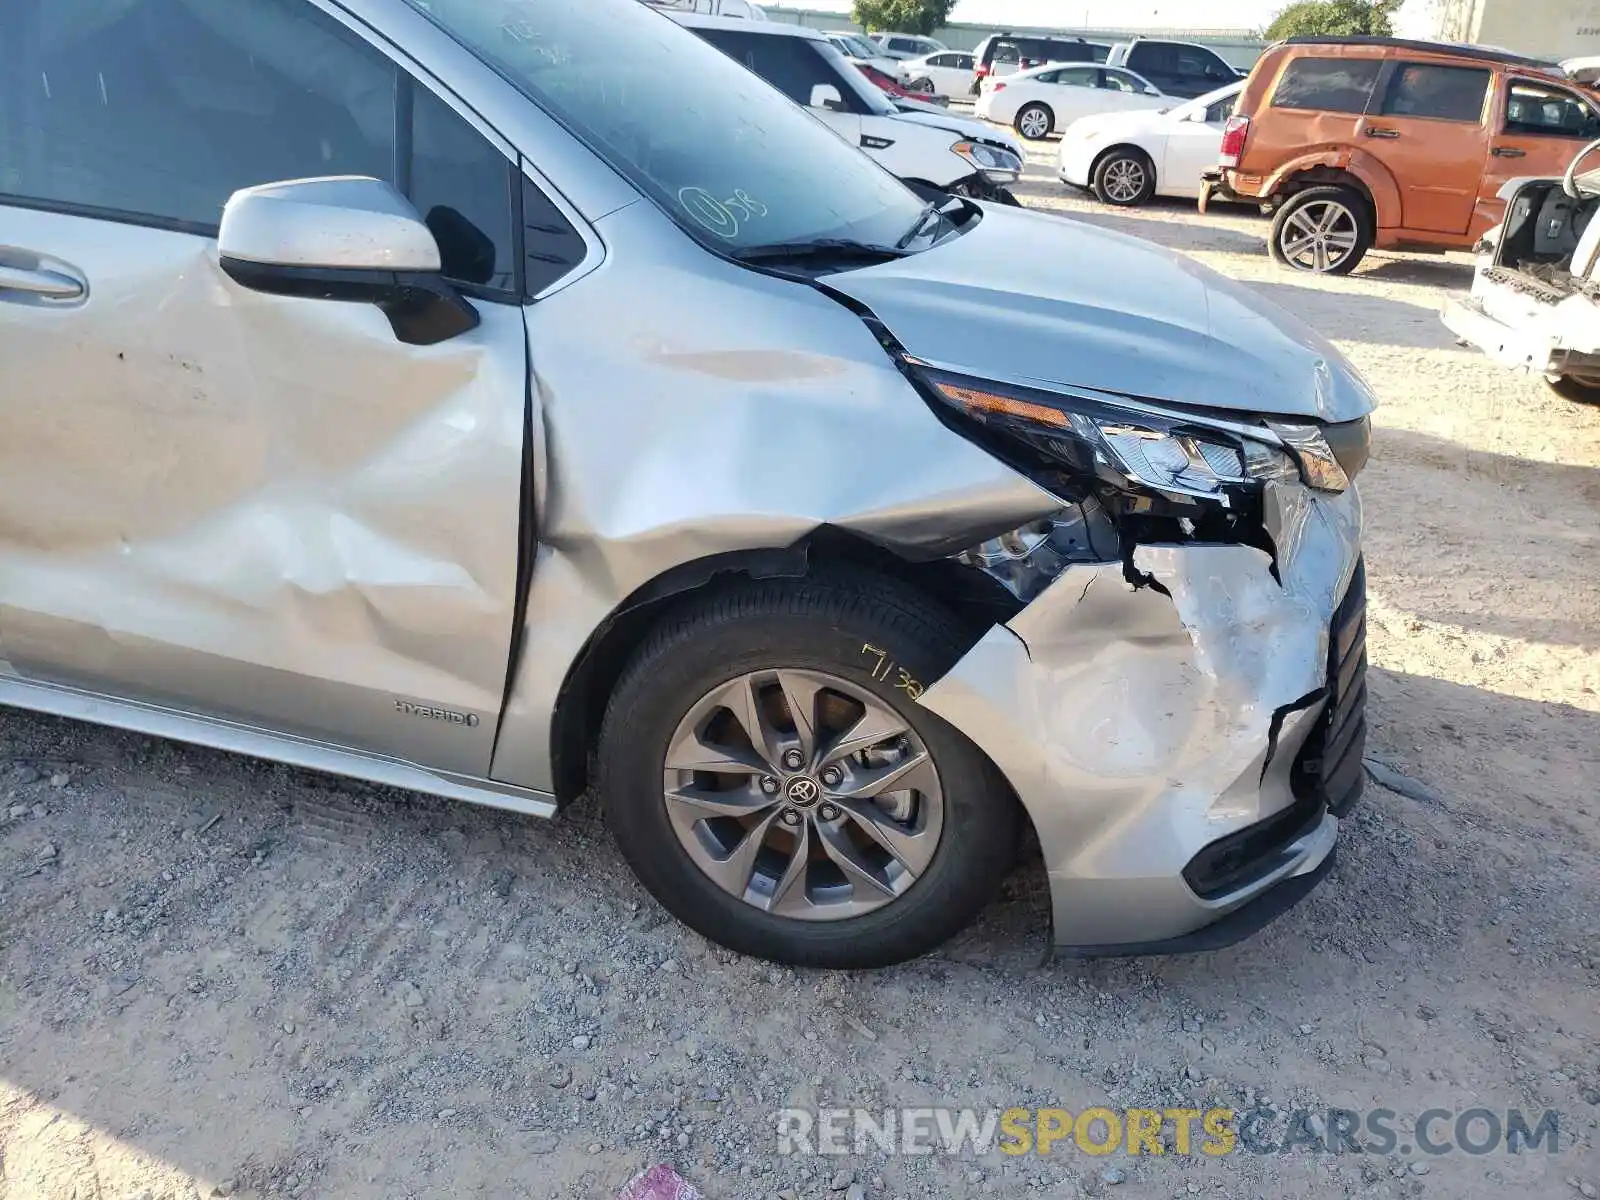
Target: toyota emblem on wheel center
804,791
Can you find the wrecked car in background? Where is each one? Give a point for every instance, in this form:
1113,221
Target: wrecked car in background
618,425
1535,300
1361,142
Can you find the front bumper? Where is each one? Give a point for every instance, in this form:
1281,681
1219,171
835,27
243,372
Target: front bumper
1076,162
1184,750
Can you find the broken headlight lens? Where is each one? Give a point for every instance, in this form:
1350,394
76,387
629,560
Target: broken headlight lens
1133,448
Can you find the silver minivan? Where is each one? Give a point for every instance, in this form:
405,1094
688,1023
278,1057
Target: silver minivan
513,399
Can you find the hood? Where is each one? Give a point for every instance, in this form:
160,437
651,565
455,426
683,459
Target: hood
964,127
1027,297
1133,118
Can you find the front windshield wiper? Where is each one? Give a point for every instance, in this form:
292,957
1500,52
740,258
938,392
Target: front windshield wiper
816,248
940,209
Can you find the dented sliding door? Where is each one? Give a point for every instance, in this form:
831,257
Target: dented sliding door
253,507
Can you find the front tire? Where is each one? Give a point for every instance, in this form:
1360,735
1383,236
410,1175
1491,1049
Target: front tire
1035,121
1124,177
770,778
1322,230
1579,391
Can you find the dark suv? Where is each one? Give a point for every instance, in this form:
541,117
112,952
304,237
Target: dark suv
1177,68
1008,53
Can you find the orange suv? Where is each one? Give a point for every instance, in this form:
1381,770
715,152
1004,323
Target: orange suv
1362,142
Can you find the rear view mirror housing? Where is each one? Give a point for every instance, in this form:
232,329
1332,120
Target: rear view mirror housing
345,238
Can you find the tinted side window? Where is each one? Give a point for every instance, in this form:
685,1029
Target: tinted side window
160,109
1534,109
1153,58
787,63
1119,81
553,246
462,187
963,62
1066,52
1445,93
1219,112
1200,63
1079,77
1328,84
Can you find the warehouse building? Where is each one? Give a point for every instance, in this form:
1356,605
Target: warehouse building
1543,28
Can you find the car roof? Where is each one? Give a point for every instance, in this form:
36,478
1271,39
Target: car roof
1056,38
740,24
1079,66
1168,42
1451,49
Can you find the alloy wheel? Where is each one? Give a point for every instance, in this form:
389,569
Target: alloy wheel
1124,180
803,795
1035,124
1319,235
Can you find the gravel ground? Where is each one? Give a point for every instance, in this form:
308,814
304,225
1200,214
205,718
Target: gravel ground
222,977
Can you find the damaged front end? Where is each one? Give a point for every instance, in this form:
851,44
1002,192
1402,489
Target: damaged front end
1178,702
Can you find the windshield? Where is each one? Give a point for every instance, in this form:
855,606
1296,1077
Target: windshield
859,47
726,156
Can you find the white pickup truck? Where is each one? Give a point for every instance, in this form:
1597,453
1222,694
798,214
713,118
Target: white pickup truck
1535,299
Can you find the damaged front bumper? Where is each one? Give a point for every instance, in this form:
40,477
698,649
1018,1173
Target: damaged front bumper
1185,744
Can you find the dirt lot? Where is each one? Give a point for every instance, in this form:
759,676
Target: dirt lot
224,977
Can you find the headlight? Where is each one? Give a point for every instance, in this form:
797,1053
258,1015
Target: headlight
998,164
1142,449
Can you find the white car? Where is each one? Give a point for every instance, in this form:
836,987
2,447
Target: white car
858,49
1052,97
1128,157
908,45
925,145
947,73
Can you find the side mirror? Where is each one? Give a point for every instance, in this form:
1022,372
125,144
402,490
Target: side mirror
825,95
345,238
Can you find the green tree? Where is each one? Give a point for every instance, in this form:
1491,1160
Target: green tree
903,16
1334,18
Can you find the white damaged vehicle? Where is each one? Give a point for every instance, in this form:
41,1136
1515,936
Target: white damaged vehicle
1535,300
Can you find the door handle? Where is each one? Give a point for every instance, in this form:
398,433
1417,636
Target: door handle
1508,152
1383,133
48,285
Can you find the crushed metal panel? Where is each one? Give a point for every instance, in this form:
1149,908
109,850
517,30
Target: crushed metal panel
676,431
258,507
1135,723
